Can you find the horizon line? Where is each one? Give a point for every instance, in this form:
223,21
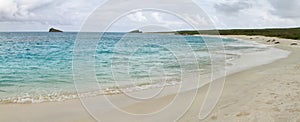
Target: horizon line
293,27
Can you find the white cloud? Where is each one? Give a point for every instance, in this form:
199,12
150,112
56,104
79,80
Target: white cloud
167,20
252,13
45,13
147,18
70,14
21,10
197,20
8,8
157,16
137,17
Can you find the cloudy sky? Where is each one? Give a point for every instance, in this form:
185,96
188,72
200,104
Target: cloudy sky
69,15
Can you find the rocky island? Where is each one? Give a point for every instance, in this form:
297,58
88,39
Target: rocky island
54,30
136,31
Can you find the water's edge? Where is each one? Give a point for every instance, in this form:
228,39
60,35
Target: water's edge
242,62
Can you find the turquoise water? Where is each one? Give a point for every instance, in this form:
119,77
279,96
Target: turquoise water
37,65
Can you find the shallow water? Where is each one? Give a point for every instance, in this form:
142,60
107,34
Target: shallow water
39,65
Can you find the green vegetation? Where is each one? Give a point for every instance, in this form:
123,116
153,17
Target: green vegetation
289,33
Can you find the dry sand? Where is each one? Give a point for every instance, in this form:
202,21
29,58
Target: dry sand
264,93
261,94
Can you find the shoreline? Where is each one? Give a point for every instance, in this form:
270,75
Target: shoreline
262,93
236,57
232,58
79,114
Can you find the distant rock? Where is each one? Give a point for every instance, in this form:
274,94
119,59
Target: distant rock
294,43
273,40
54,30
269,41
277,42
136,31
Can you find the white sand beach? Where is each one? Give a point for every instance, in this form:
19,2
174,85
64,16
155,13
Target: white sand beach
269,92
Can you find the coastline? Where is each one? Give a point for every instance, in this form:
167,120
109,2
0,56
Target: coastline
230,106
237,52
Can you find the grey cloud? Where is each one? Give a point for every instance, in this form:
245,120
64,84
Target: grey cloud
286,9
12,10
61,12
232,7
70,14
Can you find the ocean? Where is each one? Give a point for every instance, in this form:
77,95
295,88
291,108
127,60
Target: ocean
37,66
